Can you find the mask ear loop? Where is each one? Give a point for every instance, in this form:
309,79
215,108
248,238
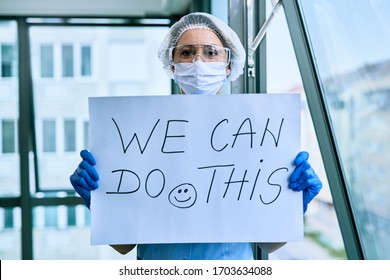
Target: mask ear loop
229,57
229,62
170,57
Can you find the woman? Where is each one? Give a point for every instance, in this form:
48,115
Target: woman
201,45
200,52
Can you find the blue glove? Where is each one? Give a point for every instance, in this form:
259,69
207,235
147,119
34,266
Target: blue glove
84,178
304,179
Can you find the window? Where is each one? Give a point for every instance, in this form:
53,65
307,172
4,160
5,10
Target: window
67,61
47,61
86,61
51,219
70,135
71,215
347,40
8,218
10,234
8,136
86,134
8,61
49,136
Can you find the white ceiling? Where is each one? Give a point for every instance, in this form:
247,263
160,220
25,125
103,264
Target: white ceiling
94,7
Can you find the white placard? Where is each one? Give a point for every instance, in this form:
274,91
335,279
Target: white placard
178,169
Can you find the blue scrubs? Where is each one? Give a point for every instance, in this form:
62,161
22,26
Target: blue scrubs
195,251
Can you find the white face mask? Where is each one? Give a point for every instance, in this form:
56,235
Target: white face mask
200,77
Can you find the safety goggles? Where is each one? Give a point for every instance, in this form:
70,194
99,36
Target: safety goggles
190,53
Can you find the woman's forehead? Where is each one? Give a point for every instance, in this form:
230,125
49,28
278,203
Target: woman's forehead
199,36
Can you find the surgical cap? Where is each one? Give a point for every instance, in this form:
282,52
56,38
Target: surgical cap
204,21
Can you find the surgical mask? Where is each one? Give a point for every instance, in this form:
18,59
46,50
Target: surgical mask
200,77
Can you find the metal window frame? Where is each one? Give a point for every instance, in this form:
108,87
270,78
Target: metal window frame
26,137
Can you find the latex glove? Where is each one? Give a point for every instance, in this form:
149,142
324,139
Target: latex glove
84,178
305,179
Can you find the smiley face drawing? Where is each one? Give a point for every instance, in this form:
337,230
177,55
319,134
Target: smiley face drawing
183,196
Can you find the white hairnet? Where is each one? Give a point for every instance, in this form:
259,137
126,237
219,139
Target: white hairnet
206,21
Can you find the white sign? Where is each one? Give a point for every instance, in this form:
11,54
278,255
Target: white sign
178,169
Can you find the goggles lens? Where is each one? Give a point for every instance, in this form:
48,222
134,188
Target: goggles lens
208,53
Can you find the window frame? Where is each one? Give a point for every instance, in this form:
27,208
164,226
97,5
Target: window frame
14,137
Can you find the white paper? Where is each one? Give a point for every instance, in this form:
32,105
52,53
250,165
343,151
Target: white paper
178,169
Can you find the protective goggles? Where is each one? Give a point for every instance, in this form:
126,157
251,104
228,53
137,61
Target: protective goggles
190,53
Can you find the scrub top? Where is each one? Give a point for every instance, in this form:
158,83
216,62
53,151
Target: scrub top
195,251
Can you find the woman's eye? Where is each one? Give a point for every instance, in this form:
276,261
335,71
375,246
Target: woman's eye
212,53
186,53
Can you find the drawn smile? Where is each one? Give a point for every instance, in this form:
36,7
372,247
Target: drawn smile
181,201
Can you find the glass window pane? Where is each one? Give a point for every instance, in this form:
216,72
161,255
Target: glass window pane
8,66
9,110
51,216
71,215
350,42
8,136
86,134
10,241
47,61
107,61
9,218
67,61
322,237
70,135
49,135
86,60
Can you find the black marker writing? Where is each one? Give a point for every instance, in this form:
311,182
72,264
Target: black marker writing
273,184
228,183
183,196
250,132
245,129
118,191
276,140
212,137
171,136
134,137
212,179
147,182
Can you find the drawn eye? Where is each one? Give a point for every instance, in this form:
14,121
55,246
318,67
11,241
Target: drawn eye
186,190
179,191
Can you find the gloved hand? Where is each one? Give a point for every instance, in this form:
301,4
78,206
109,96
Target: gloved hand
84,178
304,179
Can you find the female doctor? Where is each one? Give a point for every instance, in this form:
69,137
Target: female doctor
200,52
